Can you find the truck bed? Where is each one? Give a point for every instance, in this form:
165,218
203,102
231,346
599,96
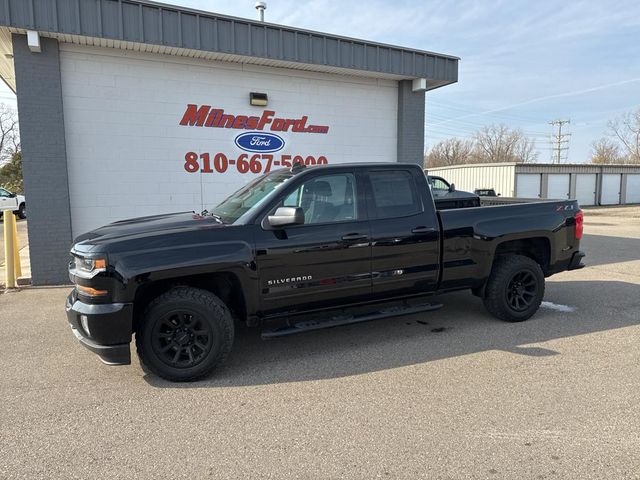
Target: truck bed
470,236
490,201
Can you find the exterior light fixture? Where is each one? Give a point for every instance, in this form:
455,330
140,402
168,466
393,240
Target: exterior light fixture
258,99
33,41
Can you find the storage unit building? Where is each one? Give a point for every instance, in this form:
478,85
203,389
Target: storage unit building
589,184
130,108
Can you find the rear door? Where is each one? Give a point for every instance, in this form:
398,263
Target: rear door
404,233
326,261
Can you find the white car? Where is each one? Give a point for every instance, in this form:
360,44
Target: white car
11,201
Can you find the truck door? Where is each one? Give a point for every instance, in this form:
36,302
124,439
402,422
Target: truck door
327,260
6,201
404,233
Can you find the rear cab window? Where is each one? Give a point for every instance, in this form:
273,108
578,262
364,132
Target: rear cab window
393,194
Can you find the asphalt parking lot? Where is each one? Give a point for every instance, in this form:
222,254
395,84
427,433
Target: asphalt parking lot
447,394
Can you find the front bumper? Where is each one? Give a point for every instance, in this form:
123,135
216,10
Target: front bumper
109,328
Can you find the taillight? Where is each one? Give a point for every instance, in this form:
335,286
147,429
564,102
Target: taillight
579,224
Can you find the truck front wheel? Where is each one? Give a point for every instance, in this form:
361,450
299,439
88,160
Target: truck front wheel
185,334
515,288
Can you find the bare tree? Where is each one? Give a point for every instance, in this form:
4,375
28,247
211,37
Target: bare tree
496,144
9,134
499,143
452,151
605,151
490,144
627,130
526,151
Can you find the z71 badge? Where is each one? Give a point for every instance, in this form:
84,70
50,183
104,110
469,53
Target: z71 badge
284,281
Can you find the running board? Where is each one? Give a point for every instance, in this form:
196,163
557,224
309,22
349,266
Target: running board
346,319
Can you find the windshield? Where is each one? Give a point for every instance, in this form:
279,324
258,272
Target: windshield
250,196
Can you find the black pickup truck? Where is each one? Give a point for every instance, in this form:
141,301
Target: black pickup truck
301,249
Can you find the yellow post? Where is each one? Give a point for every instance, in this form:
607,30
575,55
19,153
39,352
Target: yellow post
16,249
9,253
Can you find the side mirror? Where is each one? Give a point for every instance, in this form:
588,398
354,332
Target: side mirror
499,195
284,216
12,195
452,187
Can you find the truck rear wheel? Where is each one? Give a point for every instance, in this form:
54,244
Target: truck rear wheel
185,334
515,288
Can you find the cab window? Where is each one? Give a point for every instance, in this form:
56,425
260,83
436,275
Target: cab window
326,199
394,194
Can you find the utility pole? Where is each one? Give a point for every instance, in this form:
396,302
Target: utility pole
559,141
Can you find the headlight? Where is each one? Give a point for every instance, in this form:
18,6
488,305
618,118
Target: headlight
88,267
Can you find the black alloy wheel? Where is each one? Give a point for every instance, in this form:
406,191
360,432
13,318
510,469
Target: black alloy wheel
515,288
182,339
522,290
184,334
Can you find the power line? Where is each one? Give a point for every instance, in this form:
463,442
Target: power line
560,142
454,122
434,120
475,111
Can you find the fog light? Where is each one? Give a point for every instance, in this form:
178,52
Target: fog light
84,321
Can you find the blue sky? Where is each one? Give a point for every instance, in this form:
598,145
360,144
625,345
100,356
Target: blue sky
524,63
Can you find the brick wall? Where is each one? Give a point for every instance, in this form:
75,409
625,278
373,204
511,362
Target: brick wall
411,109
39,93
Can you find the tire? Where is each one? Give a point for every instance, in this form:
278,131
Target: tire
185,334
22,211
515,288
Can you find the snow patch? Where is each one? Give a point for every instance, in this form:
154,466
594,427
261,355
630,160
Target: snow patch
558,307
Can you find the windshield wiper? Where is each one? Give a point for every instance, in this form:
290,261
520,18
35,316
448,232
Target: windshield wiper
206,213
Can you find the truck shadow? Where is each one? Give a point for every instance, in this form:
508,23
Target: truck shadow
462,327
603,249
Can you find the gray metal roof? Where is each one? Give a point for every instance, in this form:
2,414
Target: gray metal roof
178,30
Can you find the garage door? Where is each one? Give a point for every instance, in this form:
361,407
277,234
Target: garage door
586,188
610,189
633,188
558,186
528,185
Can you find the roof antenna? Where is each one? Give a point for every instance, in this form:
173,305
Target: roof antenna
261,7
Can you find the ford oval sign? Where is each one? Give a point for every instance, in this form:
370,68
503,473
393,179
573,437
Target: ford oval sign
259,142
